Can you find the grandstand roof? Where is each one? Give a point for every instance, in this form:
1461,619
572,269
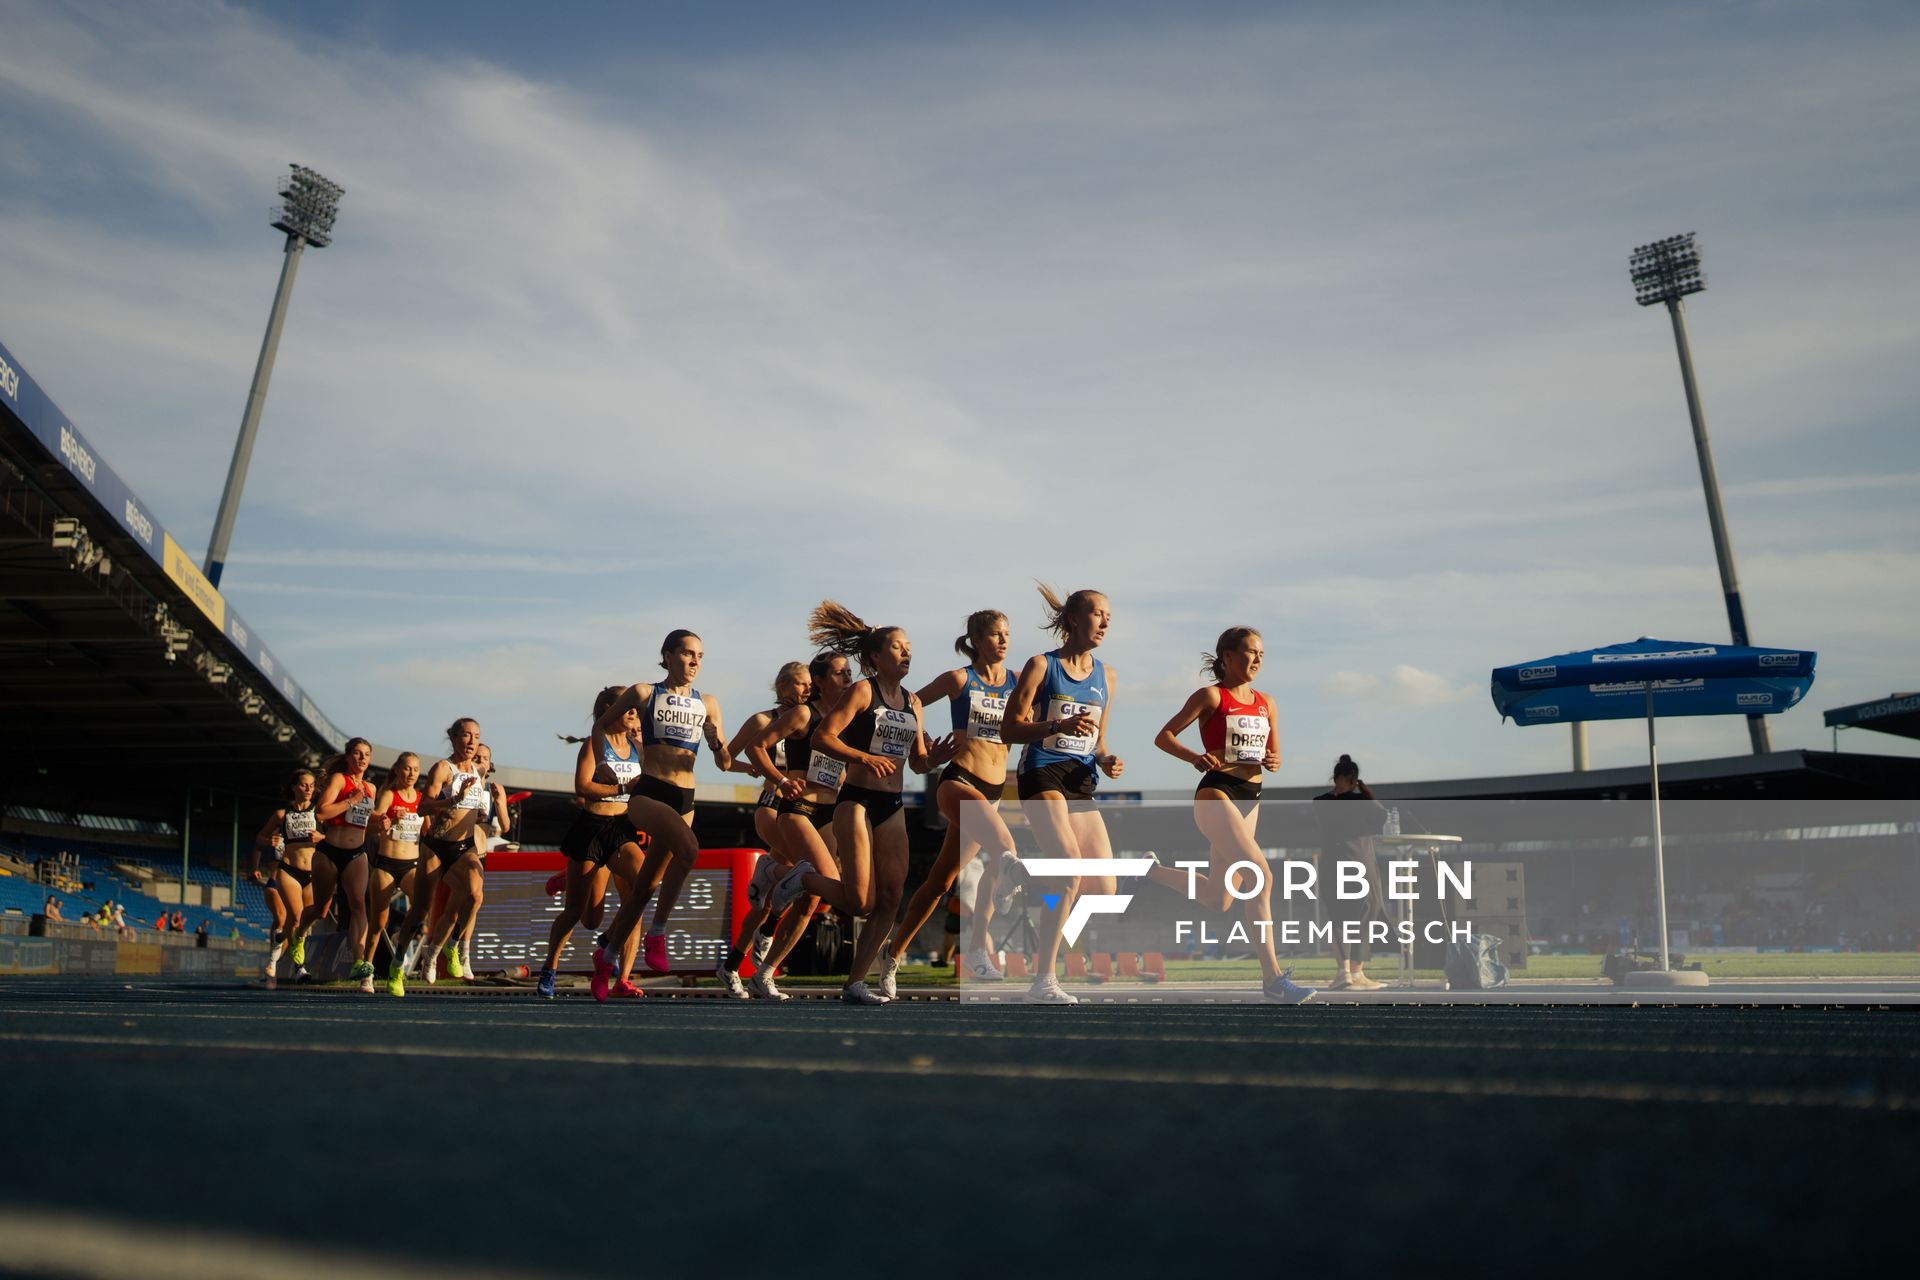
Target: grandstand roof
124,677
1896,713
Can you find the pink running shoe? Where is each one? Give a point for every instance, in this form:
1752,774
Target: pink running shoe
627,991
654,948
601,972
556,884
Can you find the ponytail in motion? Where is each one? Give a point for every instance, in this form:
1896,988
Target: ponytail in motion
837,629
1061,613
979,622
601,701
1230,639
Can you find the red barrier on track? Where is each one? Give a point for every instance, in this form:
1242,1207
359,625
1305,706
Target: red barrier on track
518,913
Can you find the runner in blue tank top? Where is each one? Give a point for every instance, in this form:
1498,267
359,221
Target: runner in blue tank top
1060,710
970,787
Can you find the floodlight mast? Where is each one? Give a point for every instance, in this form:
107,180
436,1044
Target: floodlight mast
309,204
1665,272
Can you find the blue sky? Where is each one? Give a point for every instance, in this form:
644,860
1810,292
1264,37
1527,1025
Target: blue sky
1310,317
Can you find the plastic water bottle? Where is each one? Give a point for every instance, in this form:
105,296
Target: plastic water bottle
1392,827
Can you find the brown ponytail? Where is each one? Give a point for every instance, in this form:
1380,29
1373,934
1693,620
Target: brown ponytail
1230,639
834,627
601,701
1060,613
979,622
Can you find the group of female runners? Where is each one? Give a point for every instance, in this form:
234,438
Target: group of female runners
831,755
422,836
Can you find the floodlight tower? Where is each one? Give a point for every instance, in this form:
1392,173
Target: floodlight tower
1667,271
309,204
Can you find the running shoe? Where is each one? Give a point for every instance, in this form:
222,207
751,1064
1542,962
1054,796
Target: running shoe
653,949
766,874
625,990
760,986
299,950
301,976
272,967
466,959
858,993
454,968
546,983
603,970
1361,982
429,967
1009,874
791,885
396,981
1284,990
762,944
1046,989
366,982
889,976
981,968
556,884
731,981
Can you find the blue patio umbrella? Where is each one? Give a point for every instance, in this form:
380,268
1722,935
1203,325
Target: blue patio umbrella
1653,678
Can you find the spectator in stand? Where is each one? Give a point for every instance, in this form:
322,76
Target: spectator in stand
160,922
53,908
200,933
120,925
179,922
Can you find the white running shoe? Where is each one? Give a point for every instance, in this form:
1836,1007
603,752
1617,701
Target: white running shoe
762,944
760,986
981,968
1046,989
858,993
1009,873
366,983
429,968
791,885
889,977
731,981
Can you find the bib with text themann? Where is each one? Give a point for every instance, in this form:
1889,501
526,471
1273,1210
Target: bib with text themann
893,732
985,711
1246,739
1059,708
624,771
406,829
679,719
824,771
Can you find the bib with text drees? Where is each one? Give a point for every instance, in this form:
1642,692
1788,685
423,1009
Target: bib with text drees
1245,740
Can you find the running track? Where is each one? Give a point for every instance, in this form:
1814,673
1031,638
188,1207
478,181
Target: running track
506,1134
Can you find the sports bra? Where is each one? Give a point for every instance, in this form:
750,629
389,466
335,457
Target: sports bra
674,719
1239,731
357,813
980,706
615,770
882,730
297,825
406,818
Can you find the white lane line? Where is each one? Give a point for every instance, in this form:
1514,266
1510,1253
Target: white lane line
1851,1052
65,1243
926,1066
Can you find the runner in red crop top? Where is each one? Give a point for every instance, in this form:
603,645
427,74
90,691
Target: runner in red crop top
1238,734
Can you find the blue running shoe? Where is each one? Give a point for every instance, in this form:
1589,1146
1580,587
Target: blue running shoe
1284,990
546,983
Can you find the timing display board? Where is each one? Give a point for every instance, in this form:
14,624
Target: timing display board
518,913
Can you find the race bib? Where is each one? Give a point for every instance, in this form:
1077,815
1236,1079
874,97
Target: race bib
360,810
824,771
1059,708
984,713
893,733
1246,739
624,772
406,829
476,797
780,755
300,824
679,719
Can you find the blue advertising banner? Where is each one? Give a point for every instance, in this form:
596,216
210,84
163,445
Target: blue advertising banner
68,446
